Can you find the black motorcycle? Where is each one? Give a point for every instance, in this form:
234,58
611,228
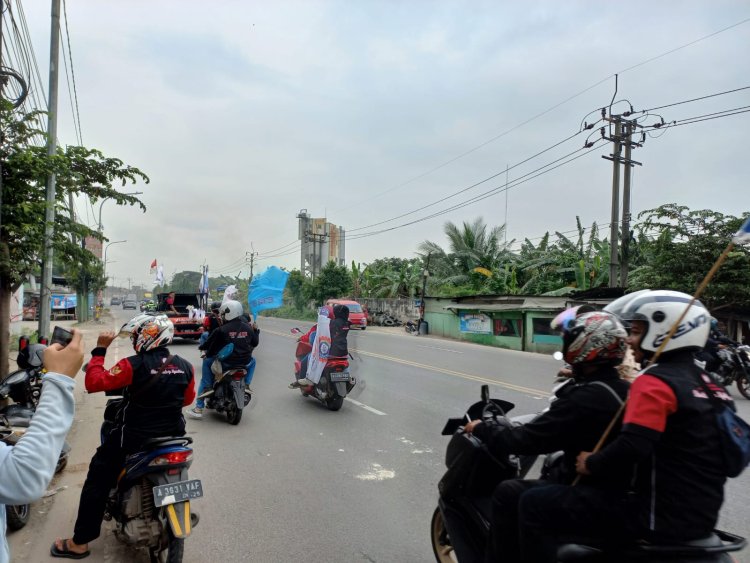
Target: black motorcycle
460,524
735,367
228,394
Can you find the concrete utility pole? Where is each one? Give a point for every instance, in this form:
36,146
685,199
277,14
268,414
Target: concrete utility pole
614,259
625,233
45,297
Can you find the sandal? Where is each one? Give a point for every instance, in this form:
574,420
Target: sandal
65,551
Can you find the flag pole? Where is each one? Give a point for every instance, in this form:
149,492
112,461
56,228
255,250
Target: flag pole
698,292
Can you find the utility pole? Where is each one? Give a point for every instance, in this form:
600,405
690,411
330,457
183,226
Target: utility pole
614,259
54,55
625,233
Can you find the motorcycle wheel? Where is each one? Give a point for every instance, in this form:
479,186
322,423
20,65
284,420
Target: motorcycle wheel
17,515
172,554
234,415
743,385
334,403
441,545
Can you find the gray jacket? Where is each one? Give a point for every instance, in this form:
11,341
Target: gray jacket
26,469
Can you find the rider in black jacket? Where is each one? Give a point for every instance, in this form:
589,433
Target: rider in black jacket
593,344
339,331
234,330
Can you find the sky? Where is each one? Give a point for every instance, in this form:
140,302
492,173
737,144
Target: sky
244,113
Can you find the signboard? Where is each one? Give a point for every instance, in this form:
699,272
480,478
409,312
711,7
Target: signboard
475,323
63,301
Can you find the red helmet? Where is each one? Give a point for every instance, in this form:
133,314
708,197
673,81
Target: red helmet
594,338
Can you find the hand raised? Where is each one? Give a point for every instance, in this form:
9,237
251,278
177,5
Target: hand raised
105,339
68,360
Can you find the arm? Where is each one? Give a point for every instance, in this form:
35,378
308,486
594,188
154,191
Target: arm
27,468
215,342
98,378
651,402
190,390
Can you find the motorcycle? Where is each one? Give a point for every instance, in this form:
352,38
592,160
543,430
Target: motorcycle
412,327
228,394
735,367
151,501
461,522
335,383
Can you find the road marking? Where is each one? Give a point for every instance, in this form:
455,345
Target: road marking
470,377
367,408
437,348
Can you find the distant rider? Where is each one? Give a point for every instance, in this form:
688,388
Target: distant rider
151,407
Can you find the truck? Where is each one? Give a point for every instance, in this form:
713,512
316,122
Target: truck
185,324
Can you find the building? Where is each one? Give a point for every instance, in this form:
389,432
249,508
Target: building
322,242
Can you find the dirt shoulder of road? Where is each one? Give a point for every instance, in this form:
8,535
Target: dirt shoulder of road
54,515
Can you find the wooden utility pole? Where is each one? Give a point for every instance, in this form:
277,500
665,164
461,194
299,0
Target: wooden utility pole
45,295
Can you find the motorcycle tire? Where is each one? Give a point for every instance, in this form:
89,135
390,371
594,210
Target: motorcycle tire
172,554
17,515
234,415
743,385
441,546
334,403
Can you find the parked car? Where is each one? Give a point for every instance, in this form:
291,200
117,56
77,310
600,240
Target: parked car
357,315
115,301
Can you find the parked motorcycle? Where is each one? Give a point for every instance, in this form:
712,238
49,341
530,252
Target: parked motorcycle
335,383
735,367
460,524
412,327
151,502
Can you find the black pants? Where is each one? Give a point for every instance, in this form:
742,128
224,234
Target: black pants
552,514
503,543
104,468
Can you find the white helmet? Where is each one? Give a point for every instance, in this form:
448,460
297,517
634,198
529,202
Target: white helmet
231,310
148,331
660,309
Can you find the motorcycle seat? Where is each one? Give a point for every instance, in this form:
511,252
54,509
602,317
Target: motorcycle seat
163,441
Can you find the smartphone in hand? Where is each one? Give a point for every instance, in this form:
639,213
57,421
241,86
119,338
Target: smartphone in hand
61,336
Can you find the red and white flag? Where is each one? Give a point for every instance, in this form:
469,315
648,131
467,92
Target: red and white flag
153,266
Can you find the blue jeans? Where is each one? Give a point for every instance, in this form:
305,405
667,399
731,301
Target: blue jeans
207,378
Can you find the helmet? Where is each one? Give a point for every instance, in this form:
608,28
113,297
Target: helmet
231,310
148,332
714,323
215,306
594,338
660,309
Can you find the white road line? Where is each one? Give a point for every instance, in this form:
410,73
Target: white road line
437,348
372,410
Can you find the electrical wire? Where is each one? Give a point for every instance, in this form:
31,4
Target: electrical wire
277,249
697,99
72,70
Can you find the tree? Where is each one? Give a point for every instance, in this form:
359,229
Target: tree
332,282
295,287
25,167
678,247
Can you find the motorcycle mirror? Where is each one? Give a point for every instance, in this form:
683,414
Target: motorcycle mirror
85,367
558,355
485,393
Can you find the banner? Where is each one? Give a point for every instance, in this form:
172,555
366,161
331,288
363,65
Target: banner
476,323
159,276
320,349
267,290
64,301
203,285
230,293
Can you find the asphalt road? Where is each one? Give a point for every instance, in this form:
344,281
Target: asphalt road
296,482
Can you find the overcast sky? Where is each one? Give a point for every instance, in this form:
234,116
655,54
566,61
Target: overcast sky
243,113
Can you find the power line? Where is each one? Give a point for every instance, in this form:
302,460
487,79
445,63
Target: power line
70,97
72,70
280,248
697,99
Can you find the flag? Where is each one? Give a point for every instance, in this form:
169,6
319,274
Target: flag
153,266
230,293
203,285
743,235
320,349
159,276
267,290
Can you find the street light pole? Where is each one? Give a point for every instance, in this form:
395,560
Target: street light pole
104,266
102,205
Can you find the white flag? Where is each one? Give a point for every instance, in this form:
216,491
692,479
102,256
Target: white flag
159,276
321,347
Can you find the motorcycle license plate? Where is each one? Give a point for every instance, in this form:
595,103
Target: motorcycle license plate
177,492
340,375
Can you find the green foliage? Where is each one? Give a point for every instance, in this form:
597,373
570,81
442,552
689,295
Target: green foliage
291,312
332,282
79,171
679,246
391,278
296,289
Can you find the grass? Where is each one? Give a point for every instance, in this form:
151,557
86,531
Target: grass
289,312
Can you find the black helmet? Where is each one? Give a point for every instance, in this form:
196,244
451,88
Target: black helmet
341,311
215,306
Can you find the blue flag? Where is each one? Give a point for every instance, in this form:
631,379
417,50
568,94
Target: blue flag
267,290
743,235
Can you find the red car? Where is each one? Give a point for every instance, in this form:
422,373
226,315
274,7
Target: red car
357,315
